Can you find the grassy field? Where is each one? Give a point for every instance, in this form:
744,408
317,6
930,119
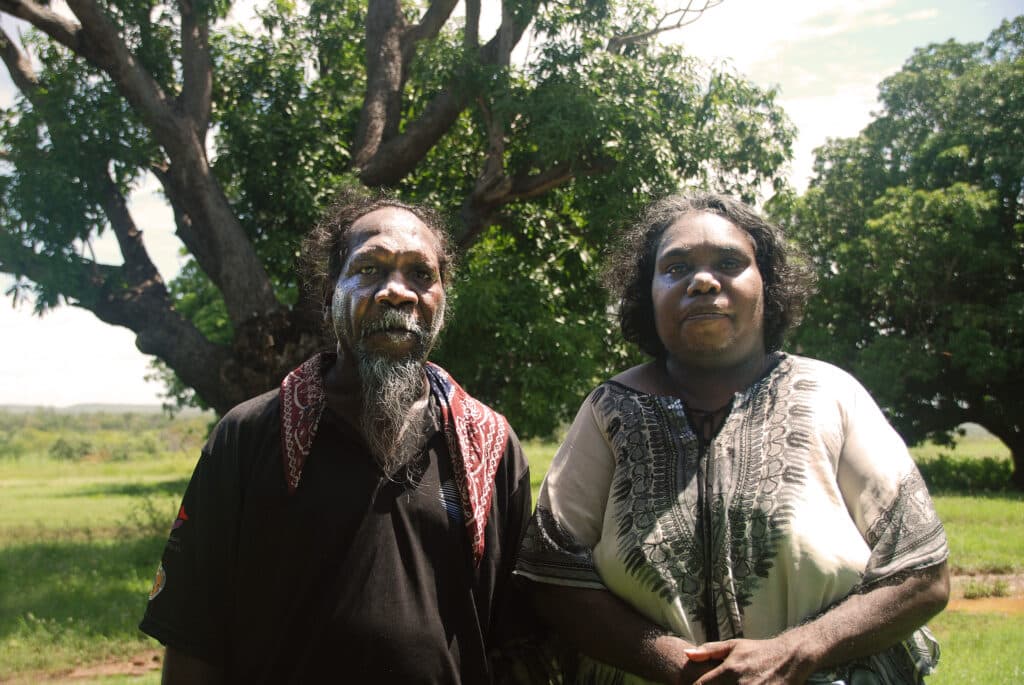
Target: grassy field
83,523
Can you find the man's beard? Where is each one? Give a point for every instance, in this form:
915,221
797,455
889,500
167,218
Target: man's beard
391,424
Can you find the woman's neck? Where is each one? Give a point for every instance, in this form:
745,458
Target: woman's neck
709,388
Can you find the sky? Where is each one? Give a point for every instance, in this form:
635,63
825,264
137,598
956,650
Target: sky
826,58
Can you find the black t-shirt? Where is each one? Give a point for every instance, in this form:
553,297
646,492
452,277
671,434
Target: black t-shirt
353,578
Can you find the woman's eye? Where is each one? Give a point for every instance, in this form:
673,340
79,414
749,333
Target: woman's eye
677,269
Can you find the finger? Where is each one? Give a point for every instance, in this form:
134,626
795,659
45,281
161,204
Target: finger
710,677
709,650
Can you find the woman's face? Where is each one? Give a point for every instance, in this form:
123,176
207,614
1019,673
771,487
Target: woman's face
707,292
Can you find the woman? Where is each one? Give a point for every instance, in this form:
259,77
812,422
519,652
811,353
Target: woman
726,512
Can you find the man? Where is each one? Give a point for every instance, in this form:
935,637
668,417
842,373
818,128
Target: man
359,523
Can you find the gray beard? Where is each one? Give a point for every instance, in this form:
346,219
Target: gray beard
390,422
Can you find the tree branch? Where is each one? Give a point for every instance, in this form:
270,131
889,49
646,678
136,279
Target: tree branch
18,64
99,43
430,24
471,36
378,119
129,238
479,209
217,239
194,240
227,255
46,20
684,17
399,155
197,67
144,307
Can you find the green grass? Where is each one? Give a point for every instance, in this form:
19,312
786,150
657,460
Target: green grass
972,446
978,649
985,533
539,454
81,541
78,601
80,538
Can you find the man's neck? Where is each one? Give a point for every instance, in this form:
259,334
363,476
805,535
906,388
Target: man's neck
343,388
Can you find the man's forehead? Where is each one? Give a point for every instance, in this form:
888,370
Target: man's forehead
392,229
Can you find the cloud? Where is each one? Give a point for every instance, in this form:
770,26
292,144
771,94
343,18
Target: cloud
819,118
69,357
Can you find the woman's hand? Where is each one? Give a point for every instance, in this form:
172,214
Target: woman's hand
751,662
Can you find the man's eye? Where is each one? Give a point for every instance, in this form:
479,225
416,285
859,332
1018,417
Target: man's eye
730,264
367,270
425,275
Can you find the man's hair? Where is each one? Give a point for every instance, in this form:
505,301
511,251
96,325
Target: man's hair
325,247
629,270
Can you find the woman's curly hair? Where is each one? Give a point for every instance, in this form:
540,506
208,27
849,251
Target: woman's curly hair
325,247
629,270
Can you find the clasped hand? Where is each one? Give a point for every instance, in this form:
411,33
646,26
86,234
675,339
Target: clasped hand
749,662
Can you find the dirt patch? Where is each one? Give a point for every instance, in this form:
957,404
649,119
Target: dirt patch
137,665
1012,603
1014,583
140,664
988,605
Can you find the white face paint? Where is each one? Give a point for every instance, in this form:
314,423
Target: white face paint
389,299
386,311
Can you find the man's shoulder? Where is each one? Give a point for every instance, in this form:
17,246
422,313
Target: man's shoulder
255,409
253,418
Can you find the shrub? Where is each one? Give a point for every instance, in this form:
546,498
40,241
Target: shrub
966,475
978,589
70,450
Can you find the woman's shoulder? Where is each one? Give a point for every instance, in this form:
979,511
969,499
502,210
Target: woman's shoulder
643,378
824,374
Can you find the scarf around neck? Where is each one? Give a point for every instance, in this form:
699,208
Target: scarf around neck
475,433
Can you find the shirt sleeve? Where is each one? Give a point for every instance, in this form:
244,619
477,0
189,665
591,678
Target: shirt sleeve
885,493
188,605
567,523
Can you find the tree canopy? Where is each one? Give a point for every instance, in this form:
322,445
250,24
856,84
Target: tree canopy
916,229
537,150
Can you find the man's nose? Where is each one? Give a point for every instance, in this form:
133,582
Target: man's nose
395,291
703,282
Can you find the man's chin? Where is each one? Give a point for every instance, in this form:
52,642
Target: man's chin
394,357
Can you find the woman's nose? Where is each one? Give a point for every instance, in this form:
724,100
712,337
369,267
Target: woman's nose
703,282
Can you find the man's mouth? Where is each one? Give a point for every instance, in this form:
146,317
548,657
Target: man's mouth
389,326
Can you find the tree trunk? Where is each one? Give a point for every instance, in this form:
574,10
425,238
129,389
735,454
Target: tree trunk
1017,454
1013,438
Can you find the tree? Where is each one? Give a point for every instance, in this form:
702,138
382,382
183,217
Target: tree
916,229
249,134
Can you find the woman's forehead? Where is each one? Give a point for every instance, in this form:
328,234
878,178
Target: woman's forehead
704,229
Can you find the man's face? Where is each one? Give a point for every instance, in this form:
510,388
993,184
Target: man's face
389,299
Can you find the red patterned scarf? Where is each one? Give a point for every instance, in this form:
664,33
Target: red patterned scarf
475,433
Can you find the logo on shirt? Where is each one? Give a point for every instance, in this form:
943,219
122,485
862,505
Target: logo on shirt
180,521
158,583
